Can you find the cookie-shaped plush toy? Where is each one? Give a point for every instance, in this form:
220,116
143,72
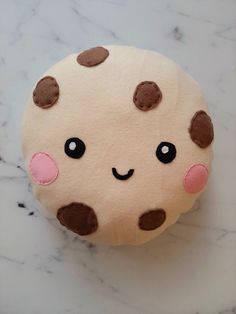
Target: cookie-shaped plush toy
117,142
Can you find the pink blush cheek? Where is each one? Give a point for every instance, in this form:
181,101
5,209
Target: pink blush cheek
43,169
195,178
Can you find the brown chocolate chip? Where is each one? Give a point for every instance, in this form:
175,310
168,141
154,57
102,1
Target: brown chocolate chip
93,56
78,218
152,219
46,92
147,95
201,129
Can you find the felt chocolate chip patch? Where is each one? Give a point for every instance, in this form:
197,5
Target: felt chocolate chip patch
147,95
93,56
46,92
152,219
201,129
78,218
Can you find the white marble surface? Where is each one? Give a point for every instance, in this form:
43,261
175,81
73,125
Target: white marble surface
191,268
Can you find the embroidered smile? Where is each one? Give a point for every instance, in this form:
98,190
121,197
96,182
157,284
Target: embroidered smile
122,176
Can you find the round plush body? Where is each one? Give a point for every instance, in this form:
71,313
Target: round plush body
117,142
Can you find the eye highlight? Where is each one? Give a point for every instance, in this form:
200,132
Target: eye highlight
166,152
74,148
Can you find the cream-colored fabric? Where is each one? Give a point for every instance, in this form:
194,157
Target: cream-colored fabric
96,105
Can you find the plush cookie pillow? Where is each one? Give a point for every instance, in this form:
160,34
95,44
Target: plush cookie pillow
117,142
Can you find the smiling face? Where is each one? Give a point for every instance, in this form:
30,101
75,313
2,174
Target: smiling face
118,143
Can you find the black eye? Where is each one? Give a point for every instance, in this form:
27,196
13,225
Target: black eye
166,152
74,147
